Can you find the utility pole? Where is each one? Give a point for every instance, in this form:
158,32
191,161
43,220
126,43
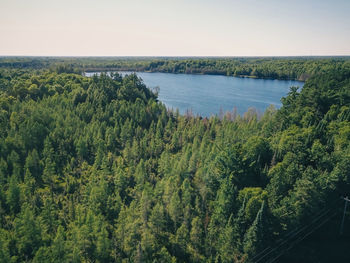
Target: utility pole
342,222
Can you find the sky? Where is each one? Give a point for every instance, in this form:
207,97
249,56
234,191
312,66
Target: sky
174,27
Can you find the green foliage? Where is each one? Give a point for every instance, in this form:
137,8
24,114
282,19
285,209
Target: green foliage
97,170
300,68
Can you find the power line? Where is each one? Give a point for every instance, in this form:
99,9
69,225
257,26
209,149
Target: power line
342,222
302,238
297,234
279,246
292,233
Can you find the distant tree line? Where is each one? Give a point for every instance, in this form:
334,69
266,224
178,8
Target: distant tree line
287,68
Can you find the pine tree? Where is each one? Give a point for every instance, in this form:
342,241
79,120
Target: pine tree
254,238
13,161
28,187
5,256
3,172
157,221
103,245
13,195
197,239
58,249
32,163
227,243
27,233
175,208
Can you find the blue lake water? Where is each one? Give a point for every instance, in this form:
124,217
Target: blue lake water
207,94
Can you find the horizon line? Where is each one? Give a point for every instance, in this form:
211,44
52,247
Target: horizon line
172,56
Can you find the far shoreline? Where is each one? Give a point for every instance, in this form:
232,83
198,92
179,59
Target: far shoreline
104,70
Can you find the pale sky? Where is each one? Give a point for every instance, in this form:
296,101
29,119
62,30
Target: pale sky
174,27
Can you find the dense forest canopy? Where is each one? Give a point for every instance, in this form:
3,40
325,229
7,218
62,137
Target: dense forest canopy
98,170
291,68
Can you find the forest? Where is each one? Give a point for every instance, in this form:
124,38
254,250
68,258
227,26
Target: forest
286,68
98,170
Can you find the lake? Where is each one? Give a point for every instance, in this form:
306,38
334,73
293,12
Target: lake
206,95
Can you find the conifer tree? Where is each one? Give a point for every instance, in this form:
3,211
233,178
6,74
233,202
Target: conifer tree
254,238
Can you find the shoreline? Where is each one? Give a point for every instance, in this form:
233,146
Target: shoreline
190,73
